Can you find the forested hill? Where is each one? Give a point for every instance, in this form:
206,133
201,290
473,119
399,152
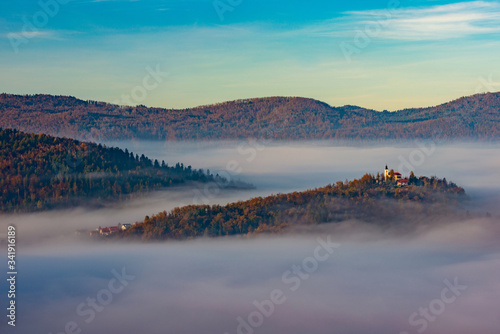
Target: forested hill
40,172
283,118
368,199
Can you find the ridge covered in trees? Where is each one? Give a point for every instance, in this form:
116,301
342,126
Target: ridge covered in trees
280,118
369,199
39,172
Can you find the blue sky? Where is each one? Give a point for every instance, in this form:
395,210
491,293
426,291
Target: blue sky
377,54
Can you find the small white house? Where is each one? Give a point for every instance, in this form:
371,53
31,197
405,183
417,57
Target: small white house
126,226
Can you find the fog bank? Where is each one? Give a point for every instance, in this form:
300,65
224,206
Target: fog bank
438,278
205,286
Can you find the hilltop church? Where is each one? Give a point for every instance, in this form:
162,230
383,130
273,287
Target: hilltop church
396,177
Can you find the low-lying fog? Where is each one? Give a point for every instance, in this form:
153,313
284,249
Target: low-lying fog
443,279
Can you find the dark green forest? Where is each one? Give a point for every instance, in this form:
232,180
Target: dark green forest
279,118
40,172
369,199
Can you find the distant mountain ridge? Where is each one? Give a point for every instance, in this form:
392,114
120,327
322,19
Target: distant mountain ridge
279,118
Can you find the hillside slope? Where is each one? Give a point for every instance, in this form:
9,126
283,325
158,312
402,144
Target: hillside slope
41,172
282,118
367,199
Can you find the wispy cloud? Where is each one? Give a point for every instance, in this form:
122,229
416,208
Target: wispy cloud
33,34
429,23
41,34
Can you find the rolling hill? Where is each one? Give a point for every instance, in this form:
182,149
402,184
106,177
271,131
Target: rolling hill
39,172
369,199
280,118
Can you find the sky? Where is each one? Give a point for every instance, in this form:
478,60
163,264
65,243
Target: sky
184,53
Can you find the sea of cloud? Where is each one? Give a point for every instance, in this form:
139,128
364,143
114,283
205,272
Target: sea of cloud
347,278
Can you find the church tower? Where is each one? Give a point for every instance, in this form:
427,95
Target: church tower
386,173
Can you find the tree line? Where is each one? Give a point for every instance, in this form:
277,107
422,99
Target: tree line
40,172
365,199
279,118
